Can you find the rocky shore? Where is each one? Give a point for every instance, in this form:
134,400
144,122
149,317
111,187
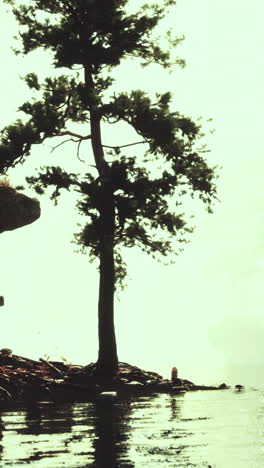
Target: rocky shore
23,379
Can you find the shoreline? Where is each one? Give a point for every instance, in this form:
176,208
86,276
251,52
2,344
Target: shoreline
23,380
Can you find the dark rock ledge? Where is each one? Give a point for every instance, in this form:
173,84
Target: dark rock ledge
23,380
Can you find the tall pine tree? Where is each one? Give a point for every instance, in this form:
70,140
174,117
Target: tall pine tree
126,203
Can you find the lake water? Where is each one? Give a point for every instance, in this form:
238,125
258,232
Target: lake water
221,429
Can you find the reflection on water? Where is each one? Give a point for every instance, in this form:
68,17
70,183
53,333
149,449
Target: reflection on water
72,435
111,432
218,429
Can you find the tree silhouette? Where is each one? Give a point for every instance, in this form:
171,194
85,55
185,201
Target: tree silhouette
126,202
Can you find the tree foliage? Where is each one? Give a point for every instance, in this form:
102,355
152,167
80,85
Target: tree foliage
98,35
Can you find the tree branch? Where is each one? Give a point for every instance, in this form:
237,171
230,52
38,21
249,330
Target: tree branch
79,140
125,146
78,151
68,102
62,143
76,135
67,132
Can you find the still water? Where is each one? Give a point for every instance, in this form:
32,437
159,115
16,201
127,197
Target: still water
221,429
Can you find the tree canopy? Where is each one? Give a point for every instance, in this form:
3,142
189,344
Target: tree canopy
95,37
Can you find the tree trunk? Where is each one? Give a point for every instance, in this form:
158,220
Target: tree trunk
107,357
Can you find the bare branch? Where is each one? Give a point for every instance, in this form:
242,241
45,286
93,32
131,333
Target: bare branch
125,146
79,140
78,151
62,143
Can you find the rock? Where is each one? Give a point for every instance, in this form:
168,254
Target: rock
223,386
6,351
108,395
239,387
134,382
16,209
179,382
175,389
163,385
187,382
154,382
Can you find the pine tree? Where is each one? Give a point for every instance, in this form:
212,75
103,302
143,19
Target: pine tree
126,203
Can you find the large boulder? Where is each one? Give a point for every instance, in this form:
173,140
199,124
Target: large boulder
16,209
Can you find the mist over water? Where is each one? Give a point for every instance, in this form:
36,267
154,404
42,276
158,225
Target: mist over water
216,428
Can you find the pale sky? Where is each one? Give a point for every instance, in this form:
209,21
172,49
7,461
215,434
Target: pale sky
204,313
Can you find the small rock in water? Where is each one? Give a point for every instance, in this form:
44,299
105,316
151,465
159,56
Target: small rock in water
239,387
108,395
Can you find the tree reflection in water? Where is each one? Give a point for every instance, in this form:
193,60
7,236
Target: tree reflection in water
121,433
157,431
79,435
48,419
175,405
111,424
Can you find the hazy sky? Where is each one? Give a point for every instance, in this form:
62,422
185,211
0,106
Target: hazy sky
204,313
